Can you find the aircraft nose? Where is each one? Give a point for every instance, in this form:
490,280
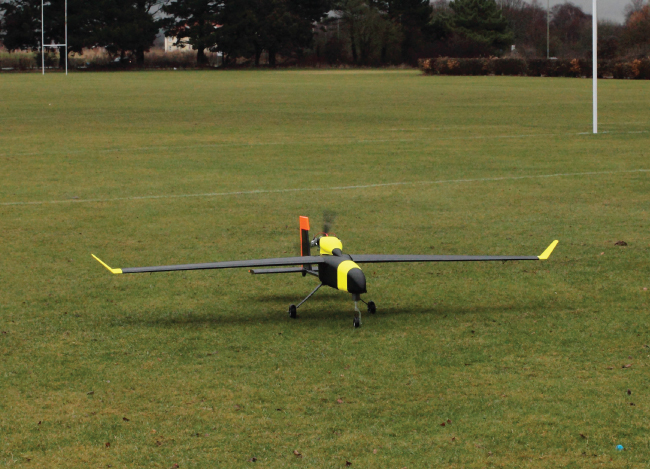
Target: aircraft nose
356,281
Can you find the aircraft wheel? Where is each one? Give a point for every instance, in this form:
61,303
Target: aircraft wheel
357,322
371,307
293,312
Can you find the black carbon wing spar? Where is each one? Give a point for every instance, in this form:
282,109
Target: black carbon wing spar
274,262
381,258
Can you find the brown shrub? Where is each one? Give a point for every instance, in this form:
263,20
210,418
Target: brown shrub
641,69
509,67
635,69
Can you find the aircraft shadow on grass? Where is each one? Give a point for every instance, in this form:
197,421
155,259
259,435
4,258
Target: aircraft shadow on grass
269,310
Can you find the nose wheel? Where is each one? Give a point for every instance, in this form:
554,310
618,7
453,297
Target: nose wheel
372,309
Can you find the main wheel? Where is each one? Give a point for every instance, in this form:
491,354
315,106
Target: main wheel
356,322
293,312
371,307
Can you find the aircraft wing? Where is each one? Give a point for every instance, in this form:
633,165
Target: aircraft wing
377,258
280,261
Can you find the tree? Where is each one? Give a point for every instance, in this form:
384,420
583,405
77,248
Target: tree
278,27
633,7
192,22
21,25
481,25
571,30
369,30
411,18
568,20
527,21
384,31
234,37
609,39
287,25
438,27
637,29
127,26
375,33
268,25
118,25
351,13
82,20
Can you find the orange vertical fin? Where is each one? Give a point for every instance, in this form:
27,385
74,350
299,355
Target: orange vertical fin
305,243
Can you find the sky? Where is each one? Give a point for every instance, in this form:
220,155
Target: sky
607,9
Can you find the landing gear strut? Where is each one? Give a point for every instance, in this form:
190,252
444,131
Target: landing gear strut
293,309
356,297
372,309
357,314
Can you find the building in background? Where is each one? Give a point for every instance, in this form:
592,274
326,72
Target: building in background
170,46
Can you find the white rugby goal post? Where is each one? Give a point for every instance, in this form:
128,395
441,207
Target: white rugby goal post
594,20
43,45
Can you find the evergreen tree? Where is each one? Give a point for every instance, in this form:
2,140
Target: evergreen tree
268,25
126,26
480,22
369,31
237,26
82,19
411,17
118,25
20,24
287,25
192,22
438,27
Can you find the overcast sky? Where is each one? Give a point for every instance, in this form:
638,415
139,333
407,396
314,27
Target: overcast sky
607,9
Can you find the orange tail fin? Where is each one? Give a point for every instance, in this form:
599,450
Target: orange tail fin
305,243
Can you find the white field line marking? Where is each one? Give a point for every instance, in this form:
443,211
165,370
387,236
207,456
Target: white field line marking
322,189
311,142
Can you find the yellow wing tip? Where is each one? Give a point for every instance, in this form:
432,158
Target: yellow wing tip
113,271
545,255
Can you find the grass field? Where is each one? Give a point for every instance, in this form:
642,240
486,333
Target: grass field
525,363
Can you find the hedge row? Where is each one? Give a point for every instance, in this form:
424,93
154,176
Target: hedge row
636,69
155,59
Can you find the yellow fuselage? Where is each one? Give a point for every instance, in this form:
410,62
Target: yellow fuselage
339,271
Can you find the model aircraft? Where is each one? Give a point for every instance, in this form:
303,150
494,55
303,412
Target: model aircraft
332,267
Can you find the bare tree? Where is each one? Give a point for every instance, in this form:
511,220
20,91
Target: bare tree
633,7
512,4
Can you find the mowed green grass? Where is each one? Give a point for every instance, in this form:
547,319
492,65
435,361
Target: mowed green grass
526,364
